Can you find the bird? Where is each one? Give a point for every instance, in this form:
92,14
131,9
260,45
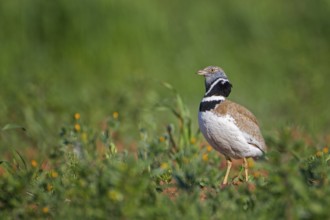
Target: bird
228,127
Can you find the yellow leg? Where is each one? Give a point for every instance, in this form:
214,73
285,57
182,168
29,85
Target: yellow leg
225,180
246,168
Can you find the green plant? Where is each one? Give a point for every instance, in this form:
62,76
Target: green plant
173,174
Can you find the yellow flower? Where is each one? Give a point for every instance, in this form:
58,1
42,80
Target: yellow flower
34,163
53,174
161,139
77,127
193,140
164,166
256,174
325,150
76,116
319,154
115,195
84,137
250,162
209,148
45,209
115,115
49,187
205,157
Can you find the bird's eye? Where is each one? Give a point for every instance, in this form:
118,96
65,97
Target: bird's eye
212,70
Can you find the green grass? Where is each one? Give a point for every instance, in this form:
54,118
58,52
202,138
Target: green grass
63,57
95,58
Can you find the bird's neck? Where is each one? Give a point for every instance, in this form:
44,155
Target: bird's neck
208,103
219,87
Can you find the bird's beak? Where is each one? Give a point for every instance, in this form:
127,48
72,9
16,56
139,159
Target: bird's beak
202,72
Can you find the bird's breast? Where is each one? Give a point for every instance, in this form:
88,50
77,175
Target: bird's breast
222,134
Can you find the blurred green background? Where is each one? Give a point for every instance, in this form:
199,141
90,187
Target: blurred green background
96,57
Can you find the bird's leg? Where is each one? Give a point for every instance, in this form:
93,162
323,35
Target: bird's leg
225,180
246,169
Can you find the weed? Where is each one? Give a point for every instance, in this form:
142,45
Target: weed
171,175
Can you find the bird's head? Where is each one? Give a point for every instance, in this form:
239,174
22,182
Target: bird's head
212,73
216,81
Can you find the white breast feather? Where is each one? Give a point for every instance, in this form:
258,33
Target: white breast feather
223,135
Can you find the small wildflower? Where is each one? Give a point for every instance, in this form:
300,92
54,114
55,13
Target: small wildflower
49,187
84,137
256,174
209,148
250,163
164,166
115,115
77,127
205,157
193,140
325,150
34,163
45,210
53,174
161,139
319,154
76,116
115,195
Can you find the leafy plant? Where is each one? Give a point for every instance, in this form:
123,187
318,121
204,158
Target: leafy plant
173,174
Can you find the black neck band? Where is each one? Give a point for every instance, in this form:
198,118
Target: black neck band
208,105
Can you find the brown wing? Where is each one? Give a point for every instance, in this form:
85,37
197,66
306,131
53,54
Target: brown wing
245,121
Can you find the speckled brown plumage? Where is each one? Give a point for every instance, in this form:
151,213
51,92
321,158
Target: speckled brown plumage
244,119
